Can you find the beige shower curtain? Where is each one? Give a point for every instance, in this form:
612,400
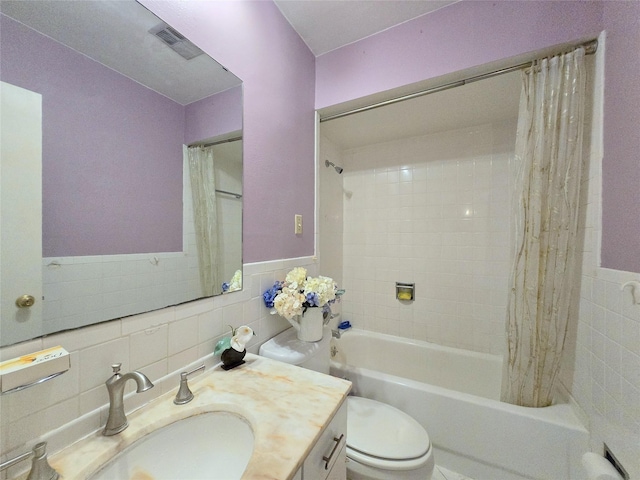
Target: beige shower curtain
205,213
543,280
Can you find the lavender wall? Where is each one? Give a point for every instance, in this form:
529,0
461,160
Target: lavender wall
463,35
621,163
471,33
213,116
255,42
112,161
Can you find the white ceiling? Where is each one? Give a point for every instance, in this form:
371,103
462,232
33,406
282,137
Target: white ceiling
115,34
494,99
325,25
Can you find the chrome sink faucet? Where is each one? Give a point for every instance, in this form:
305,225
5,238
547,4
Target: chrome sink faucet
117,420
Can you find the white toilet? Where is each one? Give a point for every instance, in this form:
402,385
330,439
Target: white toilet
383,443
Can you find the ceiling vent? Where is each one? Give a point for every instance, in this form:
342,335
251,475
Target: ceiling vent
176,41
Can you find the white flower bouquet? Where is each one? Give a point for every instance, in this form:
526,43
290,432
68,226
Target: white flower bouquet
299,292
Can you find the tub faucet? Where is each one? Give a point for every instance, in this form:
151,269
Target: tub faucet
117,420
336,333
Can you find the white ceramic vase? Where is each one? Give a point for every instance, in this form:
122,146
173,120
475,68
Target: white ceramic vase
309,325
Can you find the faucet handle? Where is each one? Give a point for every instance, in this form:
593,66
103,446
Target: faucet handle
116,368
186,374
184,394
40,468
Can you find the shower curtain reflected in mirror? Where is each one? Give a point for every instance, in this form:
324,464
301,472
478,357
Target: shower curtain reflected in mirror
543,278
200,162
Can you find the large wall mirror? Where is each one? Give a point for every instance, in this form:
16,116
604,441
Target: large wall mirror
121,167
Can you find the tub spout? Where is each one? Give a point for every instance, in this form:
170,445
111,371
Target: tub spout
117,420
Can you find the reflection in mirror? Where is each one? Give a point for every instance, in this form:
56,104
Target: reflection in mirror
108,102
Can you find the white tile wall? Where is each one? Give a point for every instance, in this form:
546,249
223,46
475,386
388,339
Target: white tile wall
385,185
431,210
98,288
602,365
160,344
329,233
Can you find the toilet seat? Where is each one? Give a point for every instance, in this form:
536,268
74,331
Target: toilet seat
382,436
383,464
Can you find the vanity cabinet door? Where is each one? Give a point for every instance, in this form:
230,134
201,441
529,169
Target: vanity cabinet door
339,470
331,445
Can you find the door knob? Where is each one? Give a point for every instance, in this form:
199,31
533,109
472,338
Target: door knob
25,301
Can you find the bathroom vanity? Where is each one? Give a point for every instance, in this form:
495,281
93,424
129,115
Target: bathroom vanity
327,459
297,416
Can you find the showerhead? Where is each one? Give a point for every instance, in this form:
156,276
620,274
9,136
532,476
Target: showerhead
327,163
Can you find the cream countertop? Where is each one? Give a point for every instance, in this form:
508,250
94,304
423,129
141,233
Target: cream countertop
287,407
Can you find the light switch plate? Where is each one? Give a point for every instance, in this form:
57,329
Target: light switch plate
298,227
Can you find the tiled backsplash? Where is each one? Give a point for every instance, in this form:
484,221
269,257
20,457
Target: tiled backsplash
161,344
431,210
112,286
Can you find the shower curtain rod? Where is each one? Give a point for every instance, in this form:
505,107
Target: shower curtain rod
237,195
235,139
589,49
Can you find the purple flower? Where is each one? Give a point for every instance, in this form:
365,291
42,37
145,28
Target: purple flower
312,299
271,293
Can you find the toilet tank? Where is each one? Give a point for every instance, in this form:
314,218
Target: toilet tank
288,349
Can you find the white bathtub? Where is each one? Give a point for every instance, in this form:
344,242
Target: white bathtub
454,394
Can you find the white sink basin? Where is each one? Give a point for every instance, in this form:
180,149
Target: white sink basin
214,445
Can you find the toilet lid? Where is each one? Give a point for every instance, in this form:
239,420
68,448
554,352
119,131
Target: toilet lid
383,431
286,348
